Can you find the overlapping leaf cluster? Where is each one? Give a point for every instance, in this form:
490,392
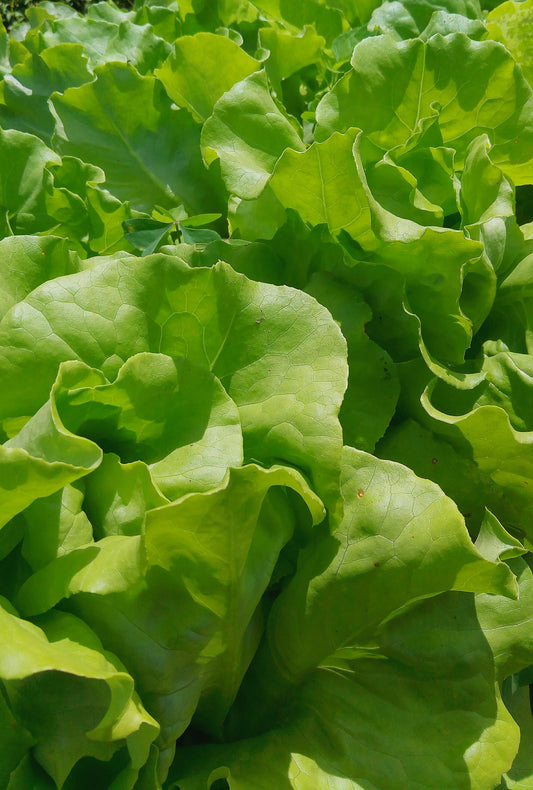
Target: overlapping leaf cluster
266,405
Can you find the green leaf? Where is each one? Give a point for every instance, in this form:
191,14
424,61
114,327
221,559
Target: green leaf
296,14
201,68
24,181
487,206
117,497
5,65
411,18
323,185
512,316
171,414
56,525
48,9
105,41
370,399
197,235
198,220
40,460
146,234
507,383
106,215
247,522
432,168
510,23
124,123
69,696
520,776
110,565
452,78
109,12
237,12
416,180
257,218
24,94
385,556
290,53
396,189
28,261
495,543
165,22
401,20
250,546
448,285
75,176
29,774
508,626
371,723
15,741
501,452
443,23
327,184
394,326
248,133
278,353
432,457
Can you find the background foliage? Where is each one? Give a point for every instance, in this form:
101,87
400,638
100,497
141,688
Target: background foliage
13,11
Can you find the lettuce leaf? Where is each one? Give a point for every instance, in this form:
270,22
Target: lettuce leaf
266,408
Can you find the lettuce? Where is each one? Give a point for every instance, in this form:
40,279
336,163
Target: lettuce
266,460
